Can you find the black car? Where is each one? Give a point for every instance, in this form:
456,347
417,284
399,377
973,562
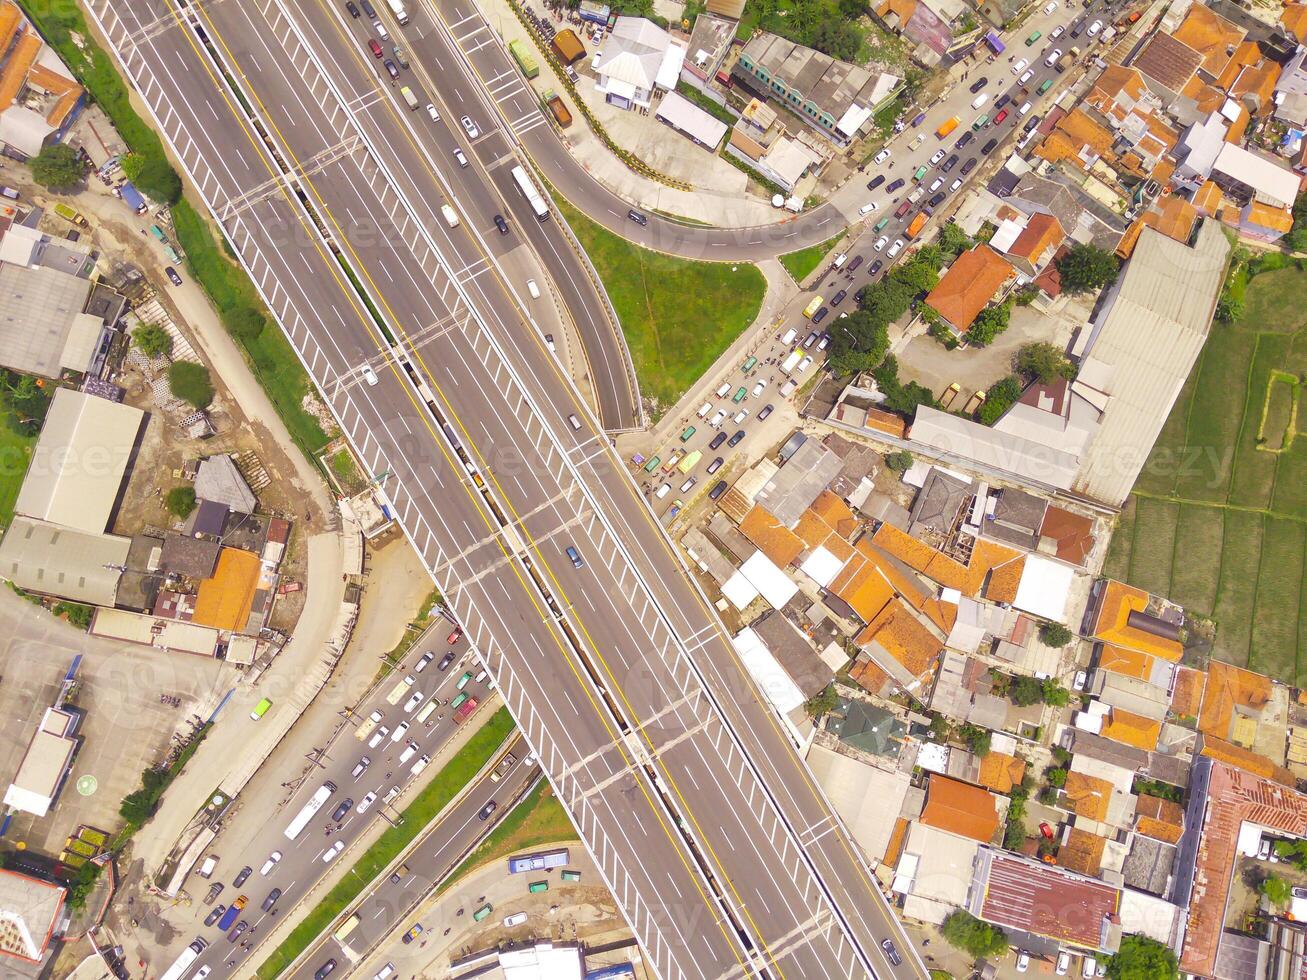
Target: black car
766,410
812,337
969,166
717,490
967,137
173,278
1075,31
875,182
978,84
485,812
237,931
950,163
895,185
1001,101
271,900
352,8
857,261
717,440
341,809
325,970
368,9
836,300
214,890
637,217
988,147
501,224
736,439
245,872
391,70
820,314
891,953
1031,123
937,200
875,267
445,661
215,914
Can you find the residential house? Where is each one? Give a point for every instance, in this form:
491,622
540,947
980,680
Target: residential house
1261,190
710,40
638,60
1291,88
1035,247
1167,65
758,138
960,808
39,97
33,913
1213,37
974,279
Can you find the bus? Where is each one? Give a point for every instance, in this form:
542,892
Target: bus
427,710
183,963
349,925
296,826
652,465
812,307
539,861
690,461
528,190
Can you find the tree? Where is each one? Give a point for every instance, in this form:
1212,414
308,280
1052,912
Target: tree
1014,834
190,382
26,400
1025,691
976,738
159,180
57,167
1044,362
837,38
132,164
919,275
1000,397
899,397
1141,958
821,703
1056,777
1275,889
899,462
858,343
1297,239
152,339
1055,634
1229,307
1055,694
990,322
180,501
964,931
1085,268
953,240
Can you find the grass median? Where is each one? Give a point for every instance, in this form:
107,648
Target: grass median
677,315
456,774
801,263
537,819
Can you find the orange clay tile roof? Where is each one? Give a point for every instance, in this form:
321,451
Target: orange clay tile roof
868,676
1042,233
15,70
1168,61
1174,217
772,538
1132,729
1084,131
985,556
1233,798
836,513
1163,170
1188,696
1126,246
1208,199
1258,81
865,589
1211,35
1277,219
960,808
1112,625
1158,818
224,601
1114,81
897,838
1230,687
1246,759
1240,126
1132,663
1246,54
886,422
10,20
968,286
1000,771
1004,579
1082,852
1088,796
1294,19
1072,533
903,637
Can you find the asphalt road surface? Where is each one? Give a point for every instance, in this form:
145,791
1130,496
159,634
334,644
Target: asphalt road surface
387,904
707,827
301,861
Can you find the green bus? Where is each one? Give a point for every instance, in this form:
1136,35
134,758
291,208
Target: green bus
1045,87
1033,38
980,123
688,434
570,875
880,225
260,709
538,886
748,365
458,701
653,464
739,395
481,913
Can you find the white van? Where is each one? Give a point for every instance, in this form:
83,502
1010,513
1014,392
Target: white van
1050,6
451,218
840,260
704,409
724,389
206,869
980,100
866,209
533,289
789,337
516,919
717,420
421,764
410,750
380,28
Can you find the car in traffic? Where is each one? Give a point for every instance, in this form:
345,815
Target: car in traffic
1094,28
967,167
324,971
988,147
1000,117
470,127
237,931
501,224
414,699
894,185
375,47
1020,66
896,248
425,659
937,200
835,300
342,808
173,278
271,900
875,182
271,863
891,952
978,84
715,465
967,137
486,811
950,163
460,157
1057,32
215,914
1053,55
882,156
637,217
820,314
955,185
400,730
935,185
243,874
352,8
366,802
1003,100
937,156
1026,76
432,112
759,387
445,661
391,70
332,852
880,243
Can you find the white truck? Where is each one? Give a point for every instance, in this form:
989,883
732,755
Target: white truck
397,8
788,364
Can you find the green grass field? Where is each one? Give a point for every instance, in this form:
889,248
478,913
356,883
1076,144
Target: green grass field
801,263
1218,519
678,315
15,454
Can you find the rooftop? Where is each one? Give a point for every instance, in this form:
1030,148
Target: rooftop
42,329
53,560
973,279
1082,852
29,912
960,808
1112,624
1019,893
1211,36
225,600
219,480
1167,61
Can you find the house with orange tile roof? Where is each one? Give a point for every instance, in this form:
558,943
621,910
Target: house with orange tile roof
1159,819
771,537
1067,536
1038,242
1214,38
1250,78
225,600
1132,729
960,808
1245,759
1087,796
975,278
1187,695
1082,852
1001,772
1169,68
901,644
38,93
1121,618
1079,140
1233,703
1294,18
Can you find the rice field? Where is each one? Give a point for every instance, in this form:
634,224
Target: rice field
1218,517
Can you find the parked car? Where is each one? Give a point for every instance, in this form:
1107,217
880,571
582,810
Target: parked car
978,84
875,182
894,185
1023,961
1063,962
882,156
937,156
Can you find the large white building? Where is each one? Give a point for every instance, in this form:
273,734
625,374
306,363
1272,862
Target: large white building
638,59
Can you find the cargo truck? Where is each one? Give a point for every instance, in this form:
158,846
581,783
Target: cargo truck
915,225
522,55
557,107
788,364
68,214
397,8
410,99
232,914
464,710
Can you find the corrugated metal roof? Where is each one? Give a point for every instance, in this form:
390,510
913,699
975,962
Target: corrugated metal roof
53,560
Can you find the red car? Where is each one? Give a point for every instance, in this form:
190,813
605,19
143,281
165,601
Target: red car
454,636
1046,830
374,47
1000,117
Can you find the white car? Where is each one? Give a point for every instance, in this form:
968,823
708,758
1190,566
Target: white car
414,699
399,731
458,155
470,127
1026,76
937,156
935,185
1023,961
758,388
410,750
1087,968
1020,66
724,390
1025,108
377,736
804,365
917,141
366,802
431,111
421,665
1063,962
271,863
687,484
896,248
330,853
955,185
516,919
369,375
717,419
867,208
740,416
881,242
1094,28
1057,32
1052,57
882,156
663,491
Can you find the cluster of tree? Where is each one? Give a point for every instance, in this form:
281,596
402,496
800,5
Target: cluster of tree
1055,634
1086,268
899,462
821,703
58,167
1140,958
152,339
859,341
1001,396
1292,851
1297,237
830,27
990,322
1275,889
1044,363
1014,834
964,931
180,501
1024,691
976,739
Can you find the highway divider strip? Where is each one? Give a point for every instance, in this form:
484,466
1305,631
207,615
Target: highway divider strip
449,786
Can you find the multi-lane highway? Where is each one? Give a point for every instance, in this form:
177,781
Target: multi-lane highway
390,902
370,764
706,826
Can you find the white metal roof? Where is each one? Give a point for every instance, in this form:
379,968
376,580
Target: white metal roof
53,560
79,462
682,114
772,583
866,797
1045,586
1005,451
29,911
42,769
821,566
634,53
767,673
1273,184
739,591
24,129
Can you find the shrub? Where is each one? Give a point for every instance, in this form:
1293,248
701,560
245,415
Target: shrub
1056,778
76,613
180,501
152,339
1055,694
899,462
1001,396
1044,362
990,322
1275,889
1055,634
190,382
976,738
821,703
1025,691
